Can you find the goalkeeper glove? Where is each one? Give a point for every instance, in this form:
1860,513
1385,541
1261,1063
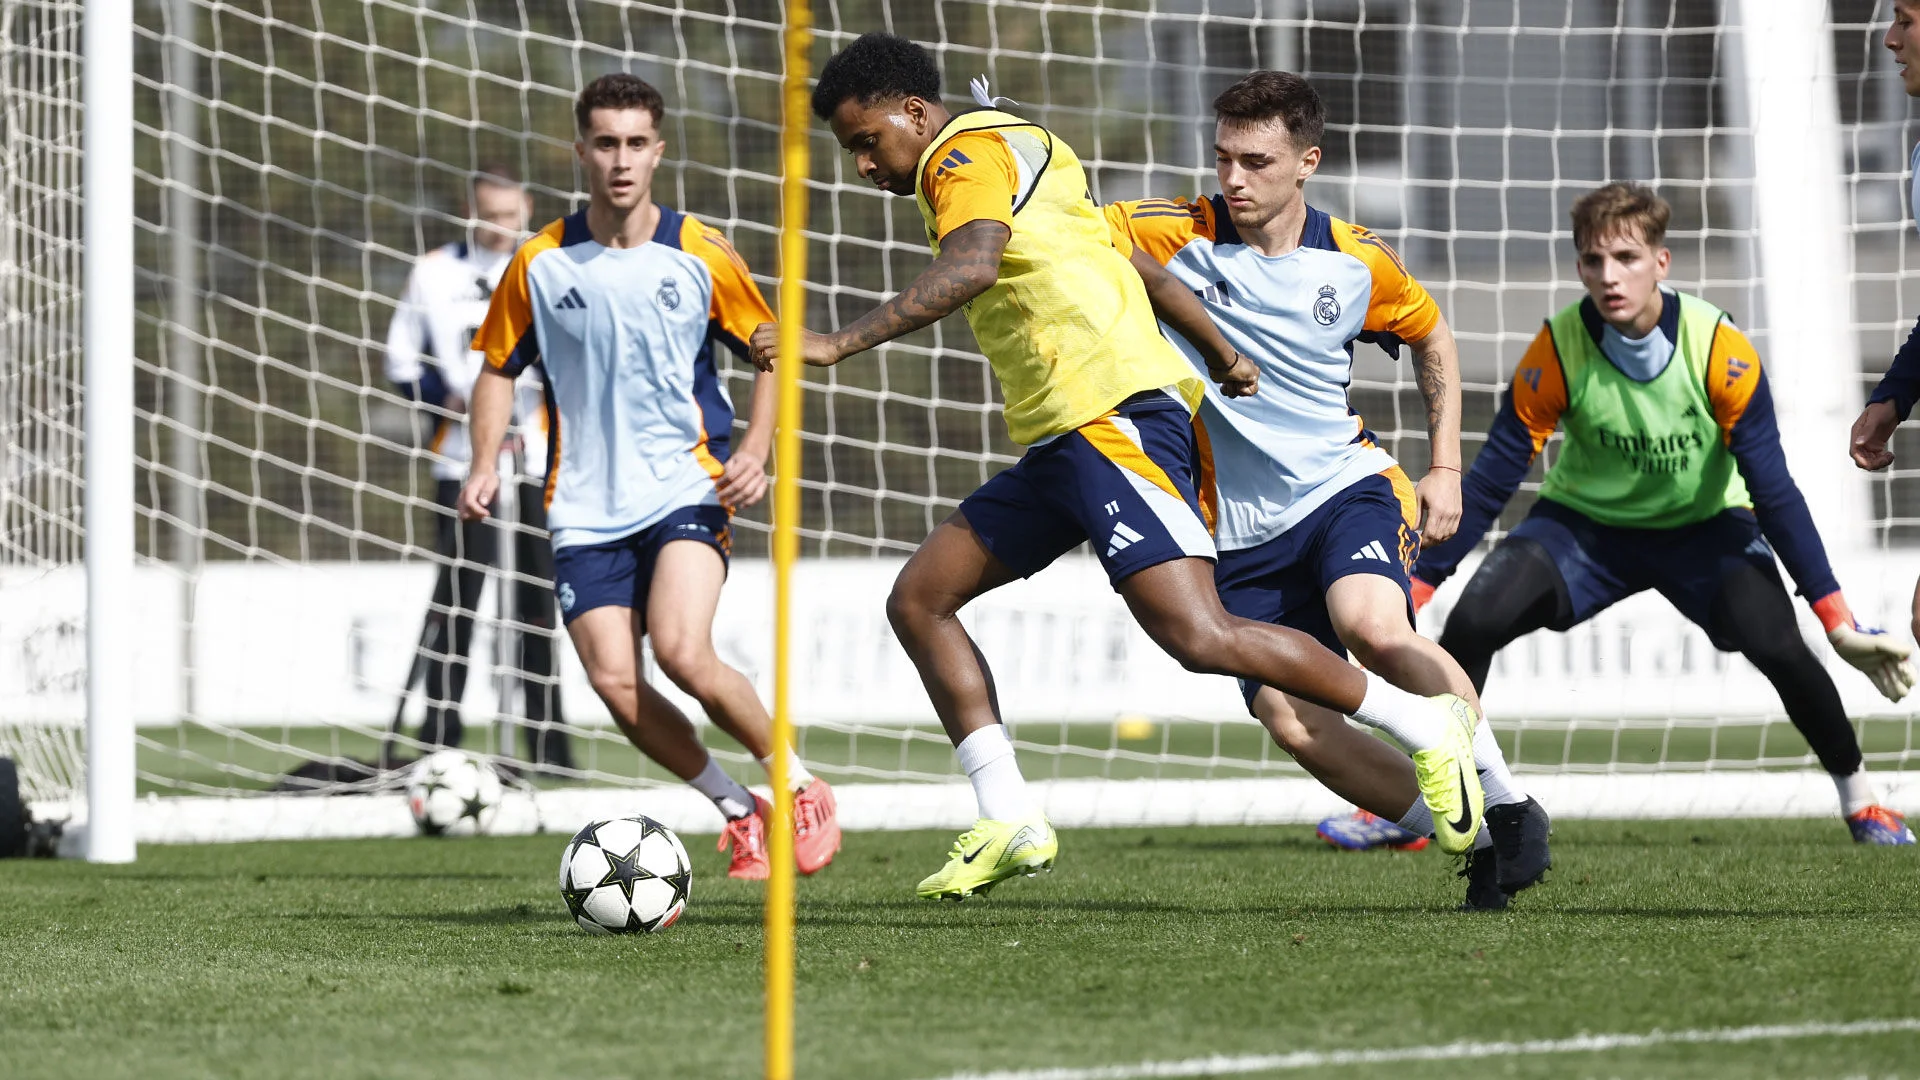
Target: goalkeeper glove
1877,656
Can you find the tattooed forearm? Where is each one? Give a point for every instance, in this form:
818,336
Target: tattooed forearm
1436,362
1433,388
968,265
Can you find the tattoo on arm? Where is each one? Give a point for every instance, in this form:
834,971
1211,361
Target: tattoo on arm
968,264
1440,387
1432,375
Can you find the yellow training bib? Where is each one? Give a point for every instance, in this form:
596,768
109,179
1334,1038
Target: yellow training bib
1067,327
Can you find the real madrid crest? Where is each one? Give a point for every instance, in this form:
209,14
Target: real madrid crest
669,295
1326,310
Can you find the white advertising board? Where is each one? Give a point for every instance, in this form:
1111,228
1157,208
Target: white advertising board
331,642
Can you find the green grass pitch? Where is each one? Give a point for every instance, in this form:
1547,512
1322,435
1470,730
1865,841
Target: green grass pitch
455,958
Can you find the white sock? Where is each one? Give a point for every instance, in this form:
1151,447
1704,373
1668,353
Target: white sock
1418,820
730,795
1410,719
1495,777
986,756
797,774
1856,792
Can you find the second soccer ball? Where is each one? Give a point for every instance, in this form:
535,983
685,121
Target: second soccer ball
452,793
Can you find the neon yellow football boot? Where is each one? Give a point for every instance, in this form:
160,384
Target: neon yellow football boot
988,854
1448,780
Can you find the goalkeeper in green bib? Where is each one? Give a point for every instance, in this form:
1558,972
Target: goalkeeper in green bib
1671,478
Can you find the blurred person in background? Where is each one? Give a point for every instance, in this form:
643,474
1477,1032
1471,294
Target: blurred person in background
430,361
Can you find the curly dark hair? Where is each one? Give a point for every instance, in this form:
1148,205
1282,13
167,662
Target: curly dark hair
876,67
1276,95
617,91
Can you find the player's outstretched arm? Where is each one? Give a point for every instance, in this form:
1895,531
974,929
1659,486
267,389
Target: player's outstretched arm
1887,406
1176,306
968,265
487,417
1742,401
1436,362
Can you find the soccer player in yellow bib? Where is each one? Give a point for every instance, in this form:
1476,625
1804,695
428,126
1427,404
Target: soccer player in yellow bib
1104,405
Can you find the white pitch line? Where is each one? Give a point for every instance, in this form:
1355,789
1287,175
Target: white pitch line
1221,1065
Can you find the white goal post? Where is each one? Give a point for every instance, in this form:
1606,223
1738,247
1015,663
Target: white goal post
236,590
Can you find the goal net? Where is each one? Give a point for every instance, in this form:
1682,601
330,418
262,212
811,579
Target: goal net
294,159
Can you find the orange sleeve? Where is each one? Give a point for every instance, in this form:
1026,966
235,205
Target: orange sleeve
971,177
506,336
1733,374
1539,390
1399,305
737,305
1161,227
1117,231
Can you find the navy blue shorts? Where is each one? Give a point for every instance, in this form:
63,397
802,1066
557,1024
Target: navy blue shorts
619,573
1602,565
1127,481
1366,529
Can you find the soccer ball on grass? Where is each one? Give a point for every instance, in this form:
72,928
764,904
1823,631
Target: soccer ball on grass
452,793
625,876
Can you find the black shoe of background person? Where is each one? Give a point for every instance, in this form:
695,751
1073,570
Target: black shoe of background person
1519,833
1483,886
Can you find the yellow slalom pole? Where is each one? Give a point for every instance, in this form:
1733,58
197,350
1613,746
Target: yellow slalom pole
794,167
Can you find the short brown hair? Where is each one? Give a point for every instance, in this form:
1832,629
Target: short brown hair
617,91
1276,95
1620,206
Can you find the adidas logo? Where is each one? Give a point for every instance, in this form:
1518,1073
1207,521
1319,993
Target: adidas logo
1692,412
1123,538
571,301
953,160
1373,550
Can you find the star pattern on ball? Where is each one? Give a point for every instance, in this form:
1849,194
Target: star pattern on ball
681,883
473,806
577,902
625,871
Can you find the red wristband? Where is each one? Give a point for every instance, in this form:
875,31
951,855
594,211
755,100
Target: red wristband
1833,611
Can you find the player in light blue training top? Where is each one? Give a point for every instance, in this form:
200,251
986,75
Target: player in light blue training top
618,307
1892,400
1318,526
